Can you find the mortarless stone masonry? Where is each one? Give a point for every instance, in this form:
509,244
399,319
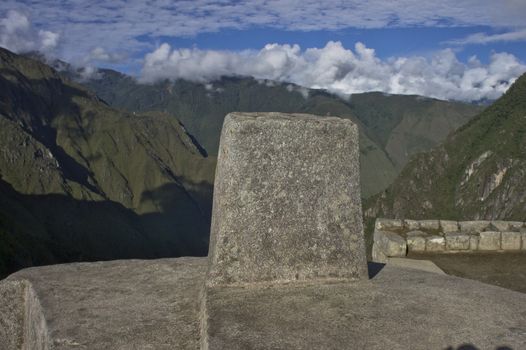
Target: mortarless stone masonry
453,236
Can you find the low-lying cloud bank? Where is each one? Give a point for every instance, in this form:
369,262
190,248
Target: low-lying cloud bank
18,34
333,67
341,70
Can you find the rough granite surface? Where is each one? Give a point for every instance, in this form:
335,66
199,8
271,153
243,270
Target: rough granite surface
154,304
489,240
127,304
416,244
388,244
397,309
287,200
12,311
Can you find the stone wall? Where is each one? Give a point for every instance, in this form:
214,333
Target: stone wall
397,237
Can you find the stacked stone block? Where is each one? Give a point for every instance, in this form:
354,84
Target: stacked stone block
396,237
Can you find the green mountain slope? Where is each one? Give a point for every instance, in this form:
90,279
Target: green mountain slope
404,125
479,172
83,181
392,127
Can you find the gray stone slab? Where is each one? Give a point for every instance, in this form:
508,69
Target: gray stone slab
388,224
457,241
155,304
400,308
422,265
416,243
516,225
429,225
449,226
523,239
510,240
416,233
411,224
12,314
287,202
435,243
499,225
474,226
388,244
489,240
474,242
126,304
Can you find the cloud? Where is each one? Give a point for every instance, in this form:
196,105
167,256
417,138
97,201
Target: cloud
132,25
341,70
101,55
18,35
90,31
483,38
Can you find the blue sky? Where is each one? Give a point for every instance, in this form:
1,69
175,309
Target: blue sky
451,49
386,41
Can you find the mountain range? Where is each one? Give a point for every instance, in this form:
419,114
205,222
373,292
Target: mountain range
108,168
81,180
393,127
479,172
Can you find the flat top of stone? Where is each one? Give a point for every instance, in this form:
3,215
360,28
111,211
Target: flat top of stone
125,304
154,304
398,309
286,117
424,265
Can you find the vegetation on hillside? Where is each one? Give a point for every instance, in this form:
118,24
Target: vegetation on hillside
83,181
392,127
478,173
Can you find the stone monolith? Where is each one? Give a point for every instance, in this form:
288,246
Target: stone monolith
287,201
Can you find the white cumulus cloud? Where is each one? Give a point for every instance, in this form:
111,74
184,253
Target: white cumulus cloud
341,70
101,55
18,35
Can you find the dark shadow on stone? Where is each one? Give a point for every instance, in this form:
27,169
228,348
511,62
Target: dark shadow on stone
374,268
473,347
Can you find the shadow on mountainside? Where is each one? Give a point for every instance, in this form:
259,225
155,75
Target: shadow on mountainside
49,229
35,104
187,208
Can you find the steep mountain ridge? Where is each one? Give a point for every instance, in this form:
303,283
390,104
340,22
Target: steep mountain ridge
404,125
86,181
478,173
393,127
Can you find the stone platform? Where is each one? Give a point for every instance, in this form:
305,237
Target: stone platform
154,304
397,309
126,304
